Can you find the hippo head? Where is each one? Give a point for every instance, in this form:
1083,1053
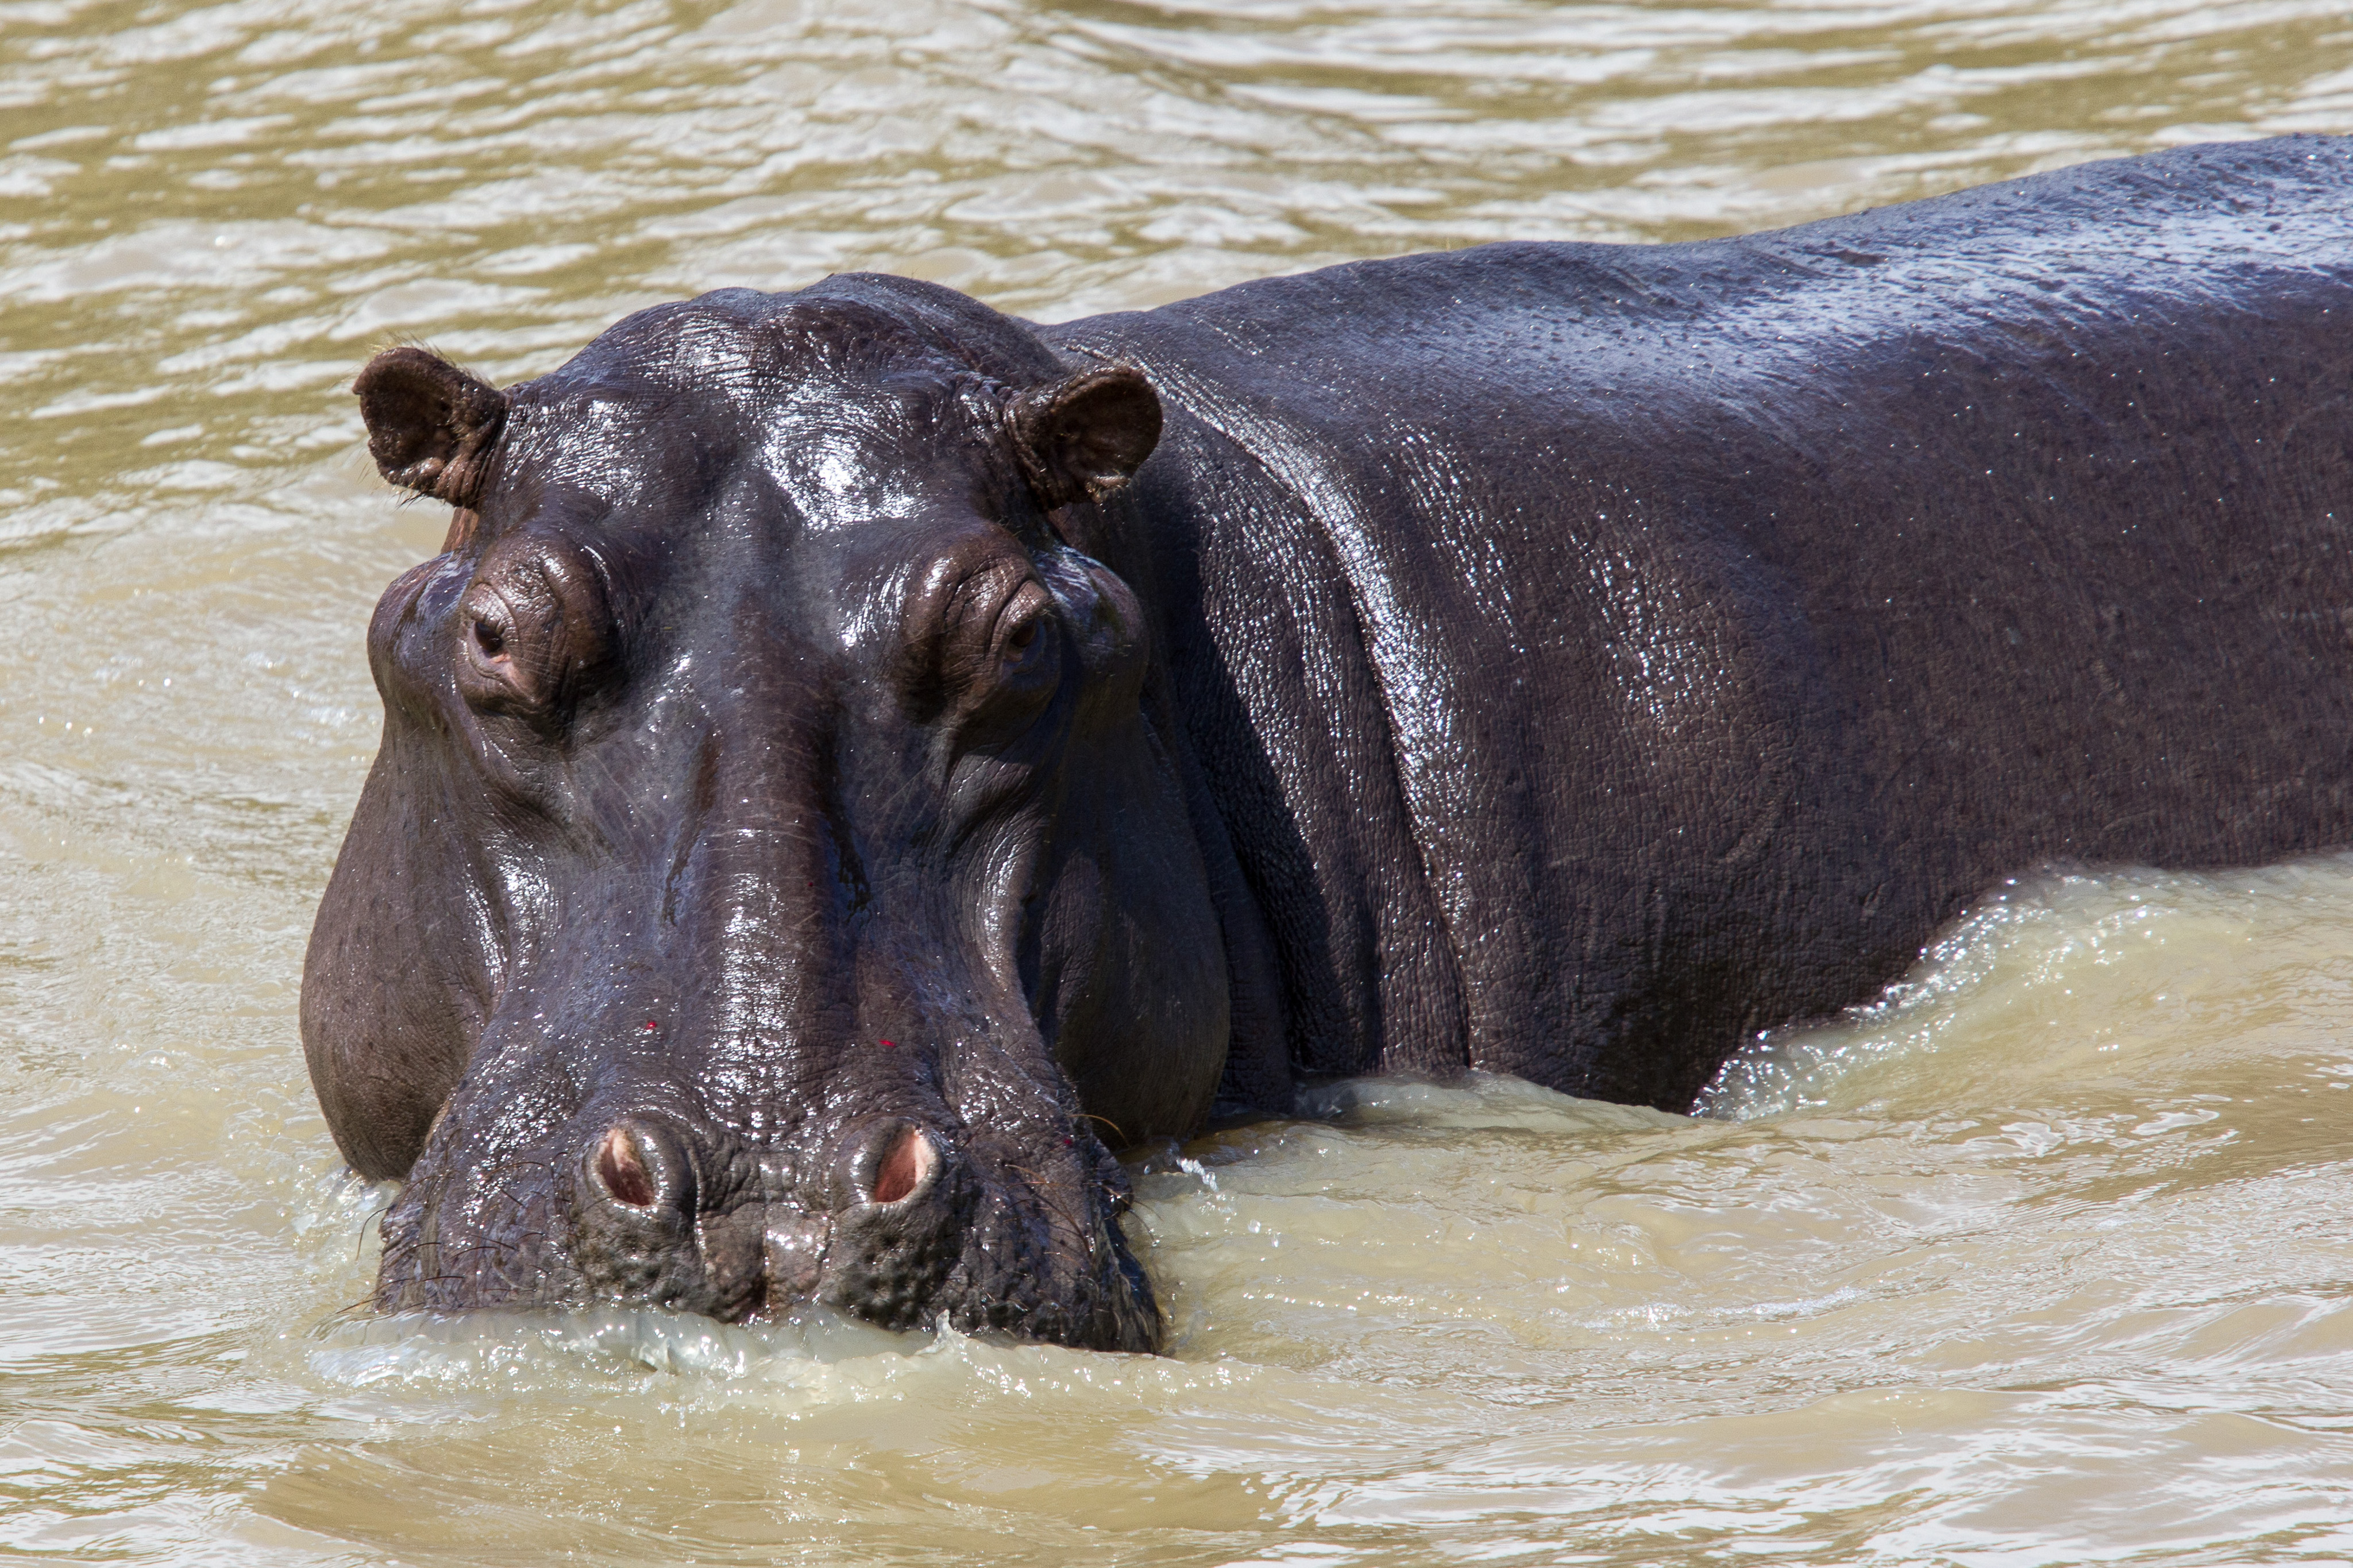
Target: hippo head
777,880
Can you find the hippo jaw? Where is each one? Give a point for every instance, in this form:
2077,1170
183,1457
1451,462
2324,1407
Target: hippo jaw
774,873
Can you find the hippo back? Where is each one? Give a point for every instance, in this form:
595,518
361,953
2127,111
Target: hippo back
1599,653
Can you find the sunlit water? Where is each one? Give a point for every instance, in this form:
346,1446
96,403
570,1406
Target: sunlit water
2045,1259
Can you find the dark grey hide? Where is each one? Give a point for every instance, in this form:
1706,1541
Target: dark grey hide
1564,660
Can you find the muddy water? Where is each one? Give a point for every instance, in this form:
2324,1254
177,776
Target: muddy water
2045,1260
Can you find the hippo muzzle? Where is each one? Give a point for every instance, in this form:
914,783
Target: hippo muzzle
895,1225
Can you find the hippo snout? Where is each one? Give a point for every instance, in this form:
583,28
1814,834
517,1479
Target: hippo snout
670,1215
904,1219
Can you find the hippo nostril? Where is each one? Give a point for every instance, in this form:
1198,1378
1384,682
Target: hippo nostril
621,1166
889,1164
904,1167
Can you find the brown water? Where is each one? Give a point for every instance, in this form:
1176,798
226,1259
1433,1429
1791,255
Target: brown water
2045,1260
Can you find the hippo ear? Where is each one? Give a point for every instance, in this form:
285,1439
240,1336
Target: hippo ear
1082,438
430,425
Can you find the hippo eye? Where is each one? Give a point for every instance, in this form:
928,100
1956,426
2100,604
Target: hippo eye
1020,617
981,643
534,634
1013,686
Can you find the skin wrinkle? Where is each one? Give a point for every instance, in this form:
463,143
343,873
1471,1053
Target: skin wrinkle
1412,1018
1563,658
1419,696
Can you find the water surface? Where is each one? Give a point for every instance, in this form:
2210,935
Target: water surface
2042,1260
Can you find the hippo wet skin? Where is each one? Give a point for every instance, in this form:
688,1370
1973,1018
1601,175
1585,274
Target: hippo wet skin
861,758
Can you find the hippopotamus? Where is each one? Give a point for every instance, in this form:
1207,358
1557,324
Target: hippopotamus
861,760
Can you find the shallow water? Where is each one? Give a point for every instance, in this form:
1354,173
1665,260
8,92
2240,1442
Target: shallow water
2042,1260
